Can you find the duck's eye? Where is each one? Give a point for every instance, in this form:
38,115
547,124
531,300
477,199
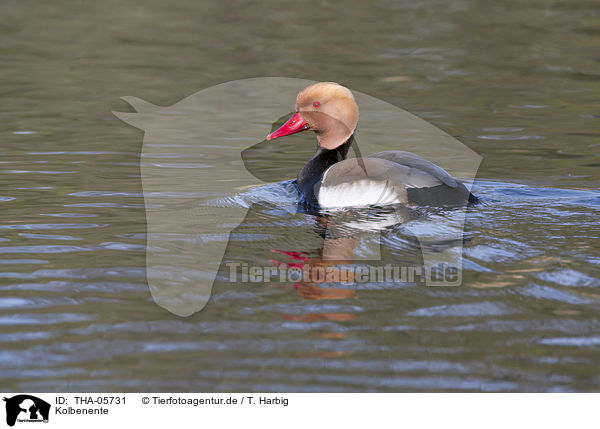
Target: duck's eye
292,122
316,104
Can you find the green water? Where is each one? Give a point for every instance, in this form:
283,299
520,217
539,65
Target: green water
517,82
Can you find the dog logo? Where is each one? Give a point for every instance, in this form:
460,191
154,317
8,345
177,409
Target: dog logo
26,408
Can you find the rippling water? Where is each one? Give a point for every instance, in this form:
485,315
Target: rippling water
515,82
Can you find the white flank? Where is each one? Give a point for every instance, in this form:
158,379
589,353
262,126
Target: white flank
360,193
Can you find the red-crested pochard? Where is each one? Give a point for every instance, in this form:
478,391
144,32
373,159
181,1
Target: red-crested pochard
329,180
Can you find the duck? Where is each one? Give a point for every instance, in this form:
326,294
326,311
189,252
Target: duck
331,180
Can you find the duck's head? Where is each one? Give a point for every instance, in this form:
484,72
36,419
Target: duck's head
326,108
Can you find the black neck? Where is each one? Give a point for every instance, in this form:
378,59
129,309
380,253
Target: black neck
310,176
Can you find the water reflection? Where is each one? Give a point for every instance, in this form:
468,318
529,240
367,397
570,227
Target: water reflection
334,262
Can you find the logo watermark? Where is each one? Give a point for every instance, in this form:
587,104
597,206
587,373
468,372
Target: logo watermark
26,409
201,152
345,275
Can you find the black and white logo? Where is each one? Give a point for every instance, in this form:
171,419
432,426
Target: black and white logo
26,408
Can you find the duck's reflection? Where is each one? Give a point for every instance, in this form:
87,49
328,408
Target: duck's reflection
334,262
323,250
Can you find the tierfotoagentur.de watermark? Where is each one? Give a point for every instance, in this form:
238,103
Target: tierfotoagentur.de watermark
346,275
